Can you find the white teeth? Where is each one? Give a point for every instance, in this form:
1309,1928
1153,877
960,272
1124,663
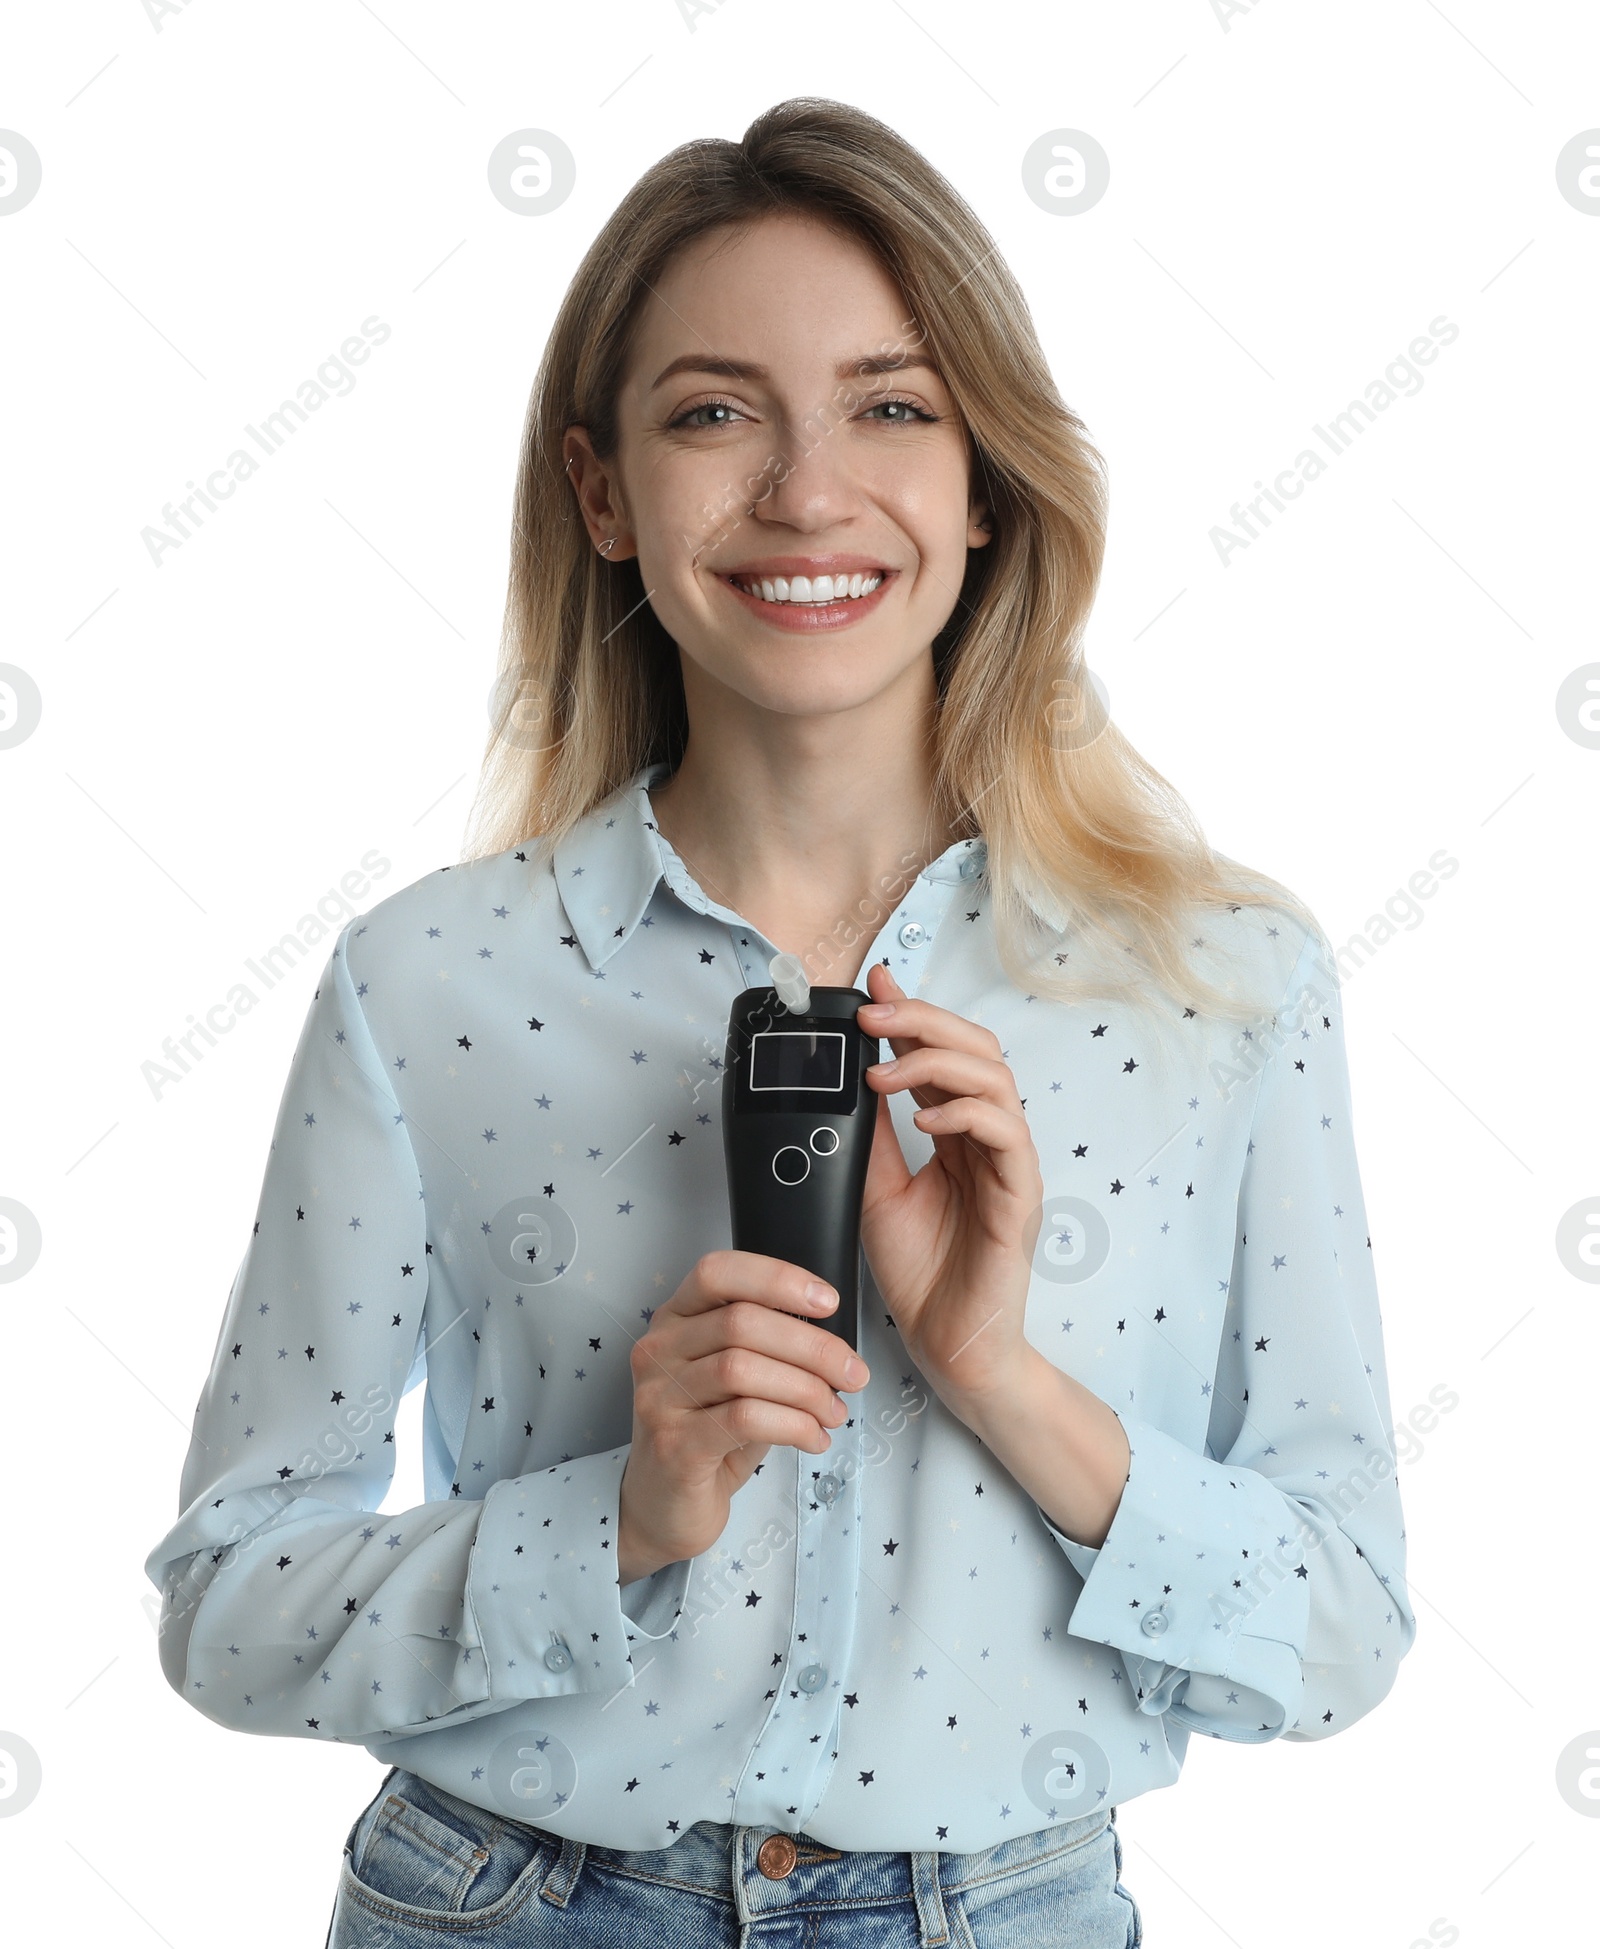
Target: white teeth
811,590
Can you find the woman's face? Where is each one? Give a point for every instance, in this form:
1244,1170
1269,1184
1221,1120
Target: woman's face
757,444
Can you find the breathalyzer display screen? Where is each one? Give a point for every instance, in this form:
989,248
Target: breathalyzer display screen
786,1060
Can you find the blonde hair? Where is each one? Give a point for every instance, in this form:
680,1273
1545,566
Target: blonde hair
1097,871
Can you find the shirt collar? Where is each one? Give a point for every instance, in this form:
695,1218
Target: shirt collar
608,866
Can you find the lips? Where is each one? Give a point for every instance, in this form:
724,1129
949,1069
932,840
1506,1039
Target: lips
837,609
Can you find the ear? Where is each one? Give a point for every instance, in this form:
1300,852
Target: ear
598,497
980,525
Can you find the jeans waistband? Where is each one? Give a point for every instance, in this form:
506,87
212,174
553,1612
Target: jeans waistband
718,1857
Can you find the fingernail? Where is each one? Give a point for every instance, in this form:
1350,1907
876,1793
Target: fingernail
878,1009
855,1371
818,1294
884,1067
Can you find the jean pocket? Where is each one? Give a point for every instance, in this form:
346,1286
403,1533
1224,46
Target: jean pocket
1068,1898
426,1856
413,1858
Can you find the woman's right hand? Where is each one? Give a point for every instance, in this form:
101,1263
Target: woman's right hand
721,1373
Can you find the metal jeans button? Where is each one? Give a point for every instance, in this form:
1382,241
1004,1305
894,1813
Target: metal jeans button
776,1856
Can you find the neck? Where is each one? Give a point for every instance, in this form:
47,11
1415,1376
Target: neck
811,828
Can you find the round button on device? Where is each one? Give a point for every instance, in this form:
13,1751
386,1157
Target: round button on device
790,1164
825,1140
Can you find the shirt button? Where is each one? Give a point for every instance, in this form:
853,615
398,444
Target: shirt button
813,1678
913,934
558,1657
1153,1623
828,1486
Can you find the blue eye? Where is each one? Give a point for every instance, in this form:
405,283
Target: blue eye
705,406
909,406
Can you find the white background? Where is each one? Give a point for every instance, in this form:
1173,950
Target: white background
1295,194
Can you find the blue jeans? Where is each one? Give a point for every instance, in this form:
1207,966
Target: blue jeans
422,1867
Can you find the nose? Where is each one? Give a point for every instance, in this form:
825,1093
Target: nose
812,482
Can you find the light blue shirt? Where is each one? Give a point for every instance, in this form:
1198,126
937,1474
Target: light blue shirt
499,1149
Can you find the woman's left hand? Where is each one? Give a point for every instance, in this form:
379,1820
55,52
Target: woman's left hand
951,1246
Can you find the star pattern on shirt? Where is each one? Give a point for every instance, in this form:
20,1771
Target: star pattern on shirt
528,1054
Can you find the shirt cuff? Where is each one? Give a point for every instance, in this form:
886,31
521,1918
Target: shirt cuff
542,1592
654,1602
1199,1585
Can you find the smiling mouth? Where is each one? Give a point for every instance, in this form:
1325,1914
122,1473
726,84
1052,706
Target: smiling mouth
813,591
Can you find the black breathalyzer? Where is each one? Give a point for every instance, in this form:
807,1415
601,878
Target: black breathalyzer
797,1123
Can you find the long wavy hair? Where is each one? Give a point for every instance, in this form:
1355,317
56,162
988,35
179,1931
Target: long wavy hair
1098,874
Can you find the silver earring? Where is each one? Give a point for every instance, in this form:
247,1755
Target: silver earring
608,544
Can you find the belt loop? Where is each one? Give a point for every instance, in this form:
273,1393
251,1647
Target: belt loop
564,1871
932,1924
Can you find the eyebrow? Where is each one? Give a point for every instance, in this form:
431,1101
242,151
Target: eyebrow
865,367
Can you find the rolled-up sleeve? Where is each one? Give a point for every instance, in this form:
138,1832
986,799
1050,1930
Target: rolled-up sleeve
291,1604
1257,1590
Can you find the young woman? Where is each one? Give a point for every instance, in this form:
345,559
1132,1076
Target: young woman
705,1623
